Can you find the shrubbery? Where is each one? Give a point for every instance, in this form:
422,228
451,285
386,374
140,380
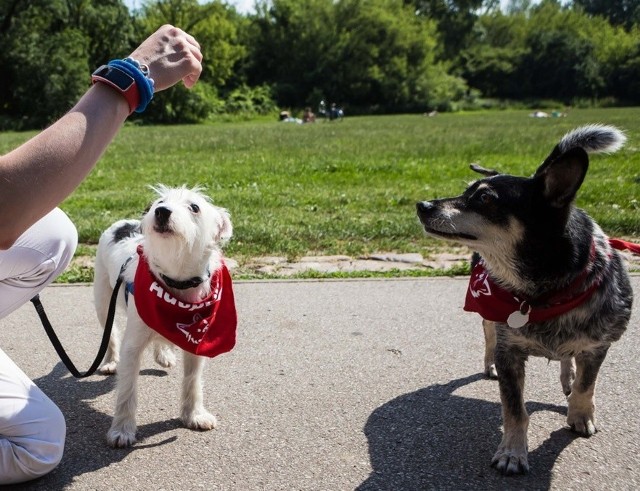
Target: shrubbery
369,57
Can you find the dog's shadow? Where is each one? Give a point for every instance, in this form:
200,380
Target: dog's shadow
86,448
434,439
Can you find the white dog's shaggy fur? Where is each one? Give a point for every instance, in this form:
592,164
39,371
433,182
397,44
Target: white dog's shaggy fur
182,234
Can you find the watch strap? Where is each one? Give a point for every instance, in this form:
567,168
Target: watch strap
121,81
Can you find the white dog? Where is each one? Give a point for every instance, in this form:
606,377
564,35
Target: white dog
172,265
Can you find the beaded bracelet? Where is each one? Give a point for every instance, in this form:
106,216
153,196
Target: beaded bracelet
140,73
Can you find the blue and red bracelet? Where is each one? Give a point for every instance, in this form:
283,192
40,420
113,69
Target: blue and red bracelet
140,73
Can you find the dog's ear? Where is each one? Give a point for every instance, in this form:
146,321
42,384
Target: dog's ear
225,229
562,176
483,171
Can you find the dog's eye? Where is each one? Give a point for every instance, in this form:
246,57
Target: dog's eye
486,198
194,208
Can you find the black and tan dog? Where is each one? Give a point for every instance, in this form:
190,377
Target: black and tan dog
547,281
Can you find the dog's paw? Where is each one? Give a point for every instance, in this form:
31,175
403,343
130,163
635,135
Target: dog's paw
582,423
108,368
165,356
120,437
200,420
510,461
581,414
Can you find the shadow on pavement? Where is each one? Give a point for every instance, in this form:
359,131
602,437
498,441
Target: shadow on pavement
433,439
86,449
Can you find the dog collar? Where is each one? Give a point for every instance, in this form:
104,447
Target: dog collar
184,284
177,284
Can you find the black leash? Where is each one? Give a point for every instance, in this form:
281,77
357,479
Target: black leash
105,337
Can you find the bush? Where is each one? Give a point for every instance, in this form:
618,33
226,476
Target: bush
182,105
247,100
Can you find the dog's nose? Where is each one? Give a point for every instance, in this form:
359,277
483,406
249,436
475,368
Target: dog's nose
162,215
424,206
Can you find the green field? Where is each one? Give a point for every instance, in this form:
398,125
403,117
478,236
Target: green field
345,187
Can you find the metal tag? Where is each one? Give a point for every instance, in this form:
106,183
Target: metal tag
520,317
517,319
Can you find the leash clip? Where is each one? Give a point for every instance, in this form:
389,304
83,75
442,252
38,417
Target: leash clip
125,264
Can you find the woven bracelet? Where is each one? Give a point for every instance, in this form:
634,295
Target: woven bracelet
140,74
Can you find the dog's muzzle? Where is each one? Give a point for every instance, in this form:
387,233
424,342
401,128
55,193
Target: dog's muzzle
426,213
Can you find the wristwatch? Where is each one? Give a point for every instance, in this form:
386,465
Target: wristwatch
121,81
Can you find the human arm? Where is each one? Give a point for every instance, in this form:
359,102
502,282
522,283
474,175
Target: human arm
42,172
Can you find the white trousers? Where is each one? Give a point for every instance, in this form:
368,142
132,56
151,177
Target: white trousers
32,428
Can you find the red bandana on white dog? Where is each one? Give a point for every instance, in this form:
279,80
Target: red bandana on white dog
206,328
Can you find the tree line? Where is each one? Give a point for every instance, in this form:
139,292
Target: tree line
370,56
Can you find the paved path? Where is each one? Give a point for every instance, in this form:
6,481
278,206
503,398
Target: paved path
333,385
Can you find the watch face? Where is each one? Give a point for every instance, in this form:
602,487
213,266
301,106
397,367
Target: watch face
122,80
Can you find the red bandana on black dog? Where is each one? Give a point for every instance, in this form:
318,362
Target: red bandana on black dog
206,328
496,304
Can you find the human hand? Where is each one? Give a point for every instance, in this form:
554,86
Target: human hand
171,55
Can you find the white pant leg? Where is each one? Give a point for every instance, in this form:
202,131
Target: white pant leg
36,259
32,428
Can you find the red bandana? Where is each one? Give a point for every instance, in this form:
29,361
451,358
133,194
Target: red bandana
494,303
206,328
622,245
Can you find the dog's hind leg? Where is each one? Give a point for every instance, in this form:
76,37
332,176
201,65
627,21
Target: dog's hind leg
489,328
123,427
164,354
511,456
567,374
581,412
194,415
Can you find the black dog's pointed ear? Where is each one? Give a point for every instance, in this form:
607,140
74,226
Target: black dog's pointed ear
562,176
483,171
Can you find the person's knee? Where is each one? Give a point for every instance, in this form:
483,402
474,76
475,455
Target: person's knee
48,452
57,438
59,242
67,238
37,453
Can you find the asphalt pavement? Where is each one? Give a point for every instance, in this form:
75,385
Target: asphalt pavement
333,385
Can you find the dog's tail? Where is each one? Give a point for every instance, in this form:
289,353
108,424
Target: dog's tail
593,138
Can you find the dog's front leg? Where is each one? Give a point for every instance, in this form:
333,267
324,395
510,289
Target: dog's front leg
194,415
581,412
511,456
123,427
567,374
489,328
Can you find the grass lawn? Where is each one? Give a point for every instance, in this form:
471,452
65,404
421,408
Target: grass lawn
345,187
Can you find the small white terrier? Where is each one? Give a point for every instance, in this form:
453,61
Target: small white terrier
177,244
